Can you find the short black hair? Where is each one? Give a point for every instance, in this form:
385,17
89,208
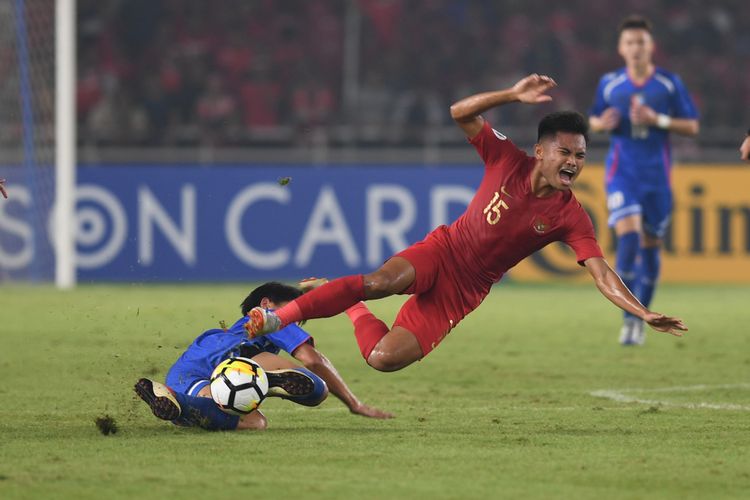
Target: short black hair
635,23
273,290
563,121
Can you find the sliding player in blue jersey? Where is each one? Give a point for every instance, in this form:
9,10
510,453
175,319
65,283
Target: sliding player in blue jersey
186,397
639,105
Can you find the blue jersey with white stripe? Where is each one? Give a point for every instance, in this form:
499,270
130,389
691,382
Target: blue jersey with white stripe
641,154
216,345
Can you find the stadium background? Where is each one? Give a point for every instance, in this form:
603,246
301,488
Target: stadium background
189,112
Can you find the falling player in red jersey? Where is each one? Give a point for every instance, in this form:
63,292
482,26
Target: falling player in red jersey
522,204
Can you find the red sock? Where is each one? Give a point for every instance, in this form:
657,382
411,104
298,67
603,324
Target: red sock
367,328
325,301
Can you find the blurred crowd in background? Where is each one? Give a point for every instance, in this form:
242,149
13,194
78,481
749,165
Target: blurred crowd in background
370,72
244,72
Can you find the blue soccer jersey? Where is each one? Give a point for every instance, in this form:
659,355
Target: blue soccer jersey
192,370
642,155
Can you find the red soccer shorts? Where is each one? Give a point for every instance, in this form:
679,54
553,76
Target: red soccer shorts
442,294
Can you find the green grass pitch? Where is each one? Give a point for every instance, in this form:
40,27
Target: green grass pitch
502,409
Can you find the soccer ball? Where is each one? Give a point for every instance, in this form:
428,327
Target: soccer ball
239,385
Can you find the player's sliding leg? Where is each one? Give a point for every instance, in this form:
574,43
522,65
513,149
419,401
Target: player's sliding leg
298,385
254,420
160,398
183,409
334,297
290,381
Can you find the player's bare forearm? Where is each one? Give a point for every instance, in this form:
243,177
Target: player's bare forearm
645,115
684,126
611,286
316,362
606,122
596,124
467,112
322,367
471,107
531,90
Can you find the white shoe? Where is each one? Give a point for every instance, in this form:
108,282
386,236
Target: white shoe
639,333
261,322
627,331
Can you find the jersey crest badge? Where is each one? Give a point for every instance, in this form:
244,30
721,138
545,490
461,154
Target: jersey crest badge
540,224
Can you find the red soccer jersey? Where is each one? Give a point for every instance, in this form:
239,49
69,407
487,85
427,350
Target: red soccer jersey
505,222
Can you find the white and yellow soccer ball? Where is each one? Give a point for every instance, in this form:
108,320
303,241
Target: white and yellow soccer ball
239,385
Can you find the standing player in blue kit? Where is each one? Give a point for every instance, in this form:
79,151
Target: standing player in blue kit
639,105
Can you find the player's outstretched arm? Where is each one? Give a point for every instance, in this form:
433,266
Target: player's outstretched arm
612,287
316,362
531,90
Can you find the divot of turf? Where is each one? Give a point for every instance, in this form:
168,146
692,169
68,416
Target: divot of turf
106,425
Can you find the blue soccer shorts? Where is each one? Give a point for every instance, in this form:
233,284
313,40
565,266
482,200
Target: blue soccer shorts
654,206
187,379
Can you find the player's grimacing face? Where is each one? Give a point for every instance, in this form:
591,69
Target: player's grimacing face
636,46
563,158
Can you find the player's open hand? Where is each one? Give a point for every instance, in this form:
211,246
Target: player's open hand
642,114
533,88
666,324
370,412
610,119
2,189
